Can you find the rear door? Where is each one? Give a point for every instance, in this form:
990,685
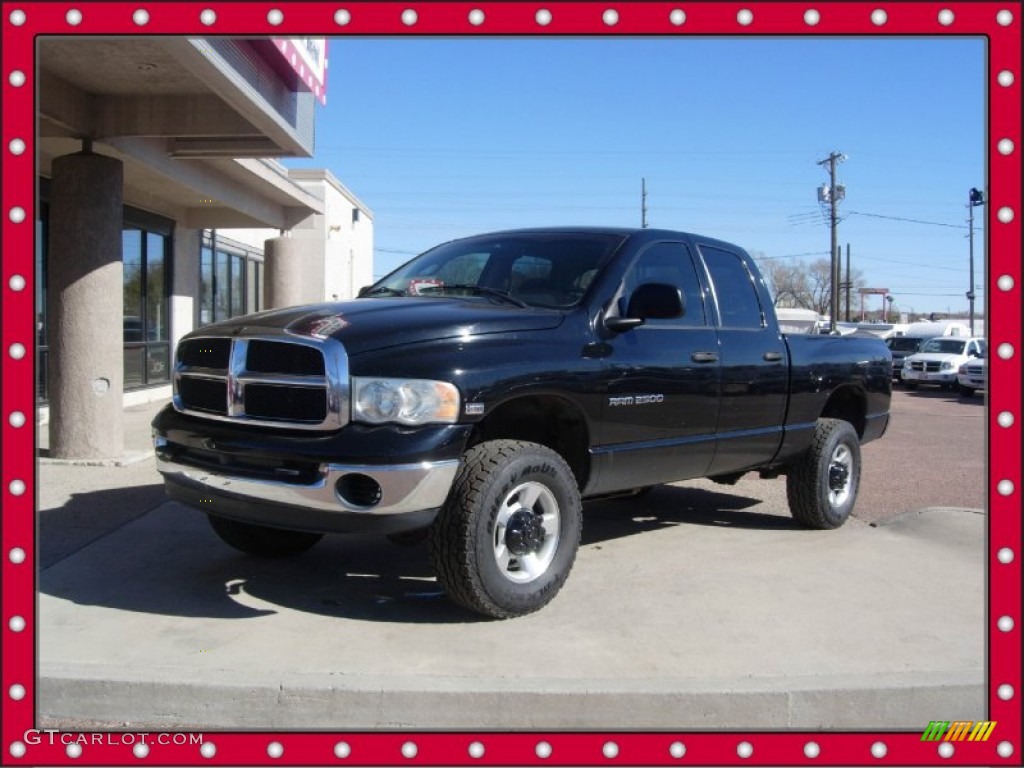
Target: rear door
754,364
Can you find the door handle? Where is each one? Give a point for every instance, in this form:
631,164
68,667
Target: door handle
704,357
773,357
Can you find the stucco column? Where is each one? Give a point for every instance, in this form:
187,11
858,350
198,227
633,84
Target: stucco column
284,272
85,308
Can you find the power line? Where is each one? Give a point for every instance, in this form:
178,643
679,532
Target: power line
911,221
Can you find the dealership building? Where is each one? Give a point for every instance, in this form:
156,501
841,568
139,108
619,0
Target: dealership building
162,207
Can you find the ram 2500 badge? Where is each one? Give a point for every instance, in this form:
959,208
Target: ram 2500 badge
485,389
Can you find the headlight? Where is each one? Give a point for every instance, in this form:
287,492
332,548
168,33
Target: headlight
404,401
947,365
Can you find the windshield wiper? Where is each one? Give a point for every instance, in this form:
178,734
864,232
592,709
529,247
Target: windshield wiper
483,290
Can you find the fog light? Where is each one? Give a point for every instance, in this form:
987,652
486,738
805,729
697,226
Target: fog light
358,490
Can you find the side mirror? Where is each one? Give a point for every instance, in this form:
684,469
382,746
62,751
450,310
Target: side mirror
650,301
363,291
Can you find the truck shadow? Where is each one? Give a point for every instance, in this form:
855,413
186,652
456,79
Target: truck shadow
169,562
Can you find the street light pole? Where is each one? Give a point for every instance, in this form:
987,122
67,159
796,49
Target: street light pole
974,198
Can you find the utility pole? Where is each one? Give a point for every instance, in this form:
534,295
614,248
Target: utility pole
832,194
848,284
643,203
974,198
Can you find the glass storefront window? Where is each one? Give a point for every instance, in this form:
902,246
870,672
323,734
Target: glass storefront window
157,315
205,285
131,250
230,279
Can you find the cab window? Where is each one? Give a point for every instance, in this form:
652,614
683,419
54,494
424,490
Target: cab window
736,296
668,263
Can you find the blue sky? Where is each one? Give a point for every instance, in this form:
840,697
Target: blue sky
445,137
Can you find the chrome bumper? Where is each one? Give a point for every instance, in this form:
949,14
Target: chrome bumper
405,488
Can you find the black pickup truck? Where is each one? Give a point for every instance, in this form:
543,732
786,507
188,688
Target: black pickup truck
482,390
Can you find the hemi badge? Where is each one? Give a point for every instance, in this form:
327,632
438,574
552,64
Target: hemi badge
475,409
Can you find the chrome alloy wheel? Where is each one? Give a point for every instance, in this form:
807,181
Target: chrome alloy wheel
526,533
840,469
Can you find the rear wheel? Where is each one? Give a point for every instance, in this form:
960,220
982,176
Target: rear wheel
262,540
822,487
506,538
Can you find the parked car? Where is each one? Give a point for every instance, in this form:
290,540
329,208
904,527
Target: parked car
938,361
972,376
540,368
901,347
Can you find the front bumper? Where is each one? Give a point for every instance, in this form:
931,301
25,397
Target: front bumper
925,377
974,382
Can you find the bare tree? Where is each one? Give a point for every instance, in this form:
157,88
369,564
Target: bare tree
796,283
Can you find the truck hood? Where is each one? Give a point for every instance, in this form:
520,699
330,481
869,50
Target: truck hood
365,325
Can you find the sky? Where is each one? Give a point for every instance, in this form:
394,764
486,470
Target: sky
448,137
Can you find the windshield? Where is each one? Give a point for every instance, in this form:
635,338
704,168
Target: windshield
551,269
944,346
903,343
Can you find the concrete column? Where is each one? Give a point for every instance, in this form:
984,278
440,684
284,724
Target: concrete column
86,311
284,272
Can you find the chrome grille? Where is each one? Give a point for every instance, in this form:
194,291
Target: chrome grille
277,381
930,367
976,370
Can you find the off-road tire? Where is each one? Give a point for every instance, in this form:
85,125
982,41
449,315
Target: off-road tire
468,533
965,391
814,501
261,540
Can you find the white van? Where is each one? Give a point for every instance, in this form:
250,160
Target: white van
936,329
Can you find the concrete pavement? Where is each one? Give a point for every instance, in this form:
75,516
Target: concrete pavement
697,606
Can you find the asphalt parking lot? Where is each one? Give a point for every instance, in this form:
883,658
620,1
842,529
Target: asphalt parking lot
697,605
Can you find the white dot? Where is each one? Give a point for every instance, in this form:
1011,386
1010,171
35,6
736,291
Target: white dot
1005,692
543,750
677,749
678,18
811,17
1005,214
610,750
1005,749
17,351
409,750
17,17
17,78
879,17
745,16
275,16
73,17
1005,487
208,750
17,692
476,750
1005,624
275,749
342,750
17,283
208,17
1004,18
16,556
141,750
1005,283
879,750
17,214
74,751
745,749
17,749
946,749
17,487
610,17
341,18
141,17
1005,78
16,419
17,146
946,17
543,17
811,749
1005,146
1005,555
409,17
17,624
476,17
1005,351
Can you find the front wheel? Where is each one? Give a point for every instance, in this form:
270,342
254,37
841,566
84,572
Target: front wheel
822,486
507,536
261,540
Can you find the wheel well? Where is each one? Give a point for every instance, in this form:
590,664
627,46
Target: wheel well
544,419
849,404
